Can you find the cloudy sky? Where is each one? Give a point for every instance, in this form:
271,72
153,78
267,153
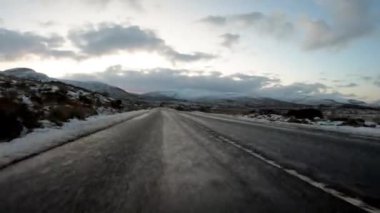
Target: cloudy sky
288,48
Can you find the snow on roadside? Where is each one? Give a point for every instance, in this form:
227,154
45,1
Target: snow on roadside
325,126
321,126
45,138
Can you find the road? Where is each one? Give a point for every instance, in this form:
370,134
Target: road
169,161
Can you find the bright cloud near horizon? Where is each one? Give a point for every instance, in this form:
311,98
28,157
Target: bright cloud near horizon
289,48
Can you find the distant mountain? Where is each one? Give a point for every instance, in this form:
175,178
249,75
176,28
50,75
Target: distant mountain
250,102
103,88
316,101
376,103
193,94
160,96
93,86
310,100
356,102
217,99
240,100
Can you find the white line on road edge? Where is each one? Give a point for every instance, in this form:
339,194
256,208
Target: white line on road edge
354,201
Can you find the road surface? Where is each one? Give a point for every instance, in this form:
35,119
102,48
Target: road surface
169,161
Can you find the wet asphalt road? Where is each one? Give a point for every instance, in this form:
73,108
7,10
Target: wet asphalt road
168,161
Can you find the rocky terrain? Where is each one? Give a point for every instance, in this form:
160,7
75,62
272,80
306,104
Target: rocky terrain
104,89
31,103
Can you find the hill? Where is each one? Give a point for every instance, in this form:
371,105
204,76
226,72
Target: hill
26,104
104,89
93,86
26,73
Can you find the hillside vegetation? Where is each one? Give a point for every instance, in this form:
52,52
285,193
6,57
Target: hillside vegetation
26,104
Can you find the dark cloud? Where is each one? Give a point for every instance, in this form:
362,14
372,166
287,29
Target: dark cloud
275,24
366,78
110,38
230,39
169,79
47,23
349,85
348,21
175,56
351,19
205,83
15,45
134,4
103,39
372,80
377,81
215,20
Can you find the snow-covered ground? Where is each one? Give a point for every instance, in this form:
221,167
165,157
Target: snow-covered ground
325,126
329,126
43,139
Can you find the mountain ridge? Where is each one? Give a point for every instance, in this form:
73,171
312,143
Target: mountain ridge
217,97
189,95
93,86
